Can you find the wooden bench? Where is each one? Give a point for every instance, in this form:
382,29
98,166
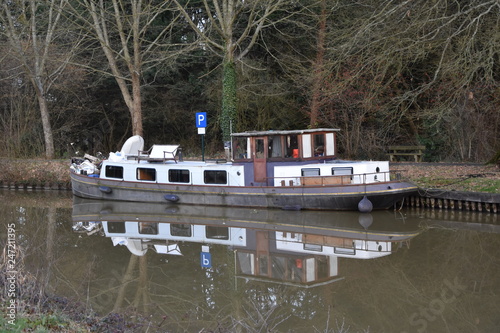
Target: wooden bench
416,151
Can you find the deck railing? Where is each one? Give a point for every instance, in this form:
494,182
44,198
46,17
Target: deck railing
365,178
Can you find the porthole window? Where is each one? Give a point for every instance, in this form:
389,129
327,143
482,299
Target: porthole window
341,171
310,172
146,174
181,230
116,227
215,177
113,171
178,176
217,232
148,228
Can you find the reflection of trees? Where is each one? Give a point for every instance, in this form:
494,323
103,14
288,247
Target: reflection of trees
137,272
37,233
260,318
447,279
179,295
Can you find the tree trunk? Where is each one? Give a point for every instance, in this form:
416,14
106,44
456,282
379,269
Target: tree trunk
318,69
229,99
47,128
136,109
44,113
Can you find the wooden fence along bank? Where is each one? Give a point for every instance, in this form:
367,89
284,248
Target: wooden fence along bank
455,200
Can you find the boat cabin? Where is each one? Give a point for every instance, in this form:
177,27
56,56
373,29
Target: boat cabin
263,150
309,144
259,158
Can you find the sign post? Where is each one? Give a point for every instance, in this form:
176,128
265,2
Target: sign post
205,257
201,124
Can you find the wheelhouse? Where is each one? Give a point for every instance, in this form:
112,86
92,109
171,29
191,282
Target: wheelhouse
262,151
309,144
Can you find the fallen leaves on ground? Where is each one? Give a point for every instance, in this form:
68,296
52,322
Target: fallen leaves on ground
452,176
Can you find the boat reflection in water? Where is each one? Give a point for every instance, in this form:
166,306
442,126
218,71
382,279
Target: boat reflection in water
287,247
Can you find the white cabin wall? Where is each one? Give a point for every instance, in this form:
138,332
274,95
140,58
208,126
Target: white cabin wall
334,265
360,169
310,269
237,236
235,177
306,145
330,144
249,148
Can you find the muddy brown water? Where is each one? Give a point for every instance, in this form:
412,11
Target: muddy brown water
194,268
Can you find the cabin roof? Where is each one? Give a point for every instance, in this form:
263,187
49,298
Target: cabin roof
280,132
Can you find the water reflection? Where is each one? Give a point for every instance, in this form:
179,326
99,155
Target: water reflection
289,272
300,248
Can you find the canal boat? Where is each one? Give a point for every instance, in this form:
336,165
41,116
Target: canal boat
291,170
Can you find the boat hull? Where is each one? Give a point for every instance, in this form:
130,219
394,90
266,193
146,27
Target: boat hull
382,195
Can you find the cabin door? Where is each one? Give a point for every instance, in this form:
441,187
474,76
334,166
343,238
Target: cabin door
259,159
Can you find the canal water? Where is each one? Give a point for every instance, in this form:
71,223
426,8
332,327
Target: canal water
194,268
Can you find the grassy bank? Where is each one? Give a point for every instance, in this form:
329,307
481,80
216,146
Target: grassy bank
35,172
467,177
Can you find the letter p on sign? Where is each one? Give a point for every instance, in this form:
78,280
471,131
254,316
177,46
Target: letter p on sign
201,119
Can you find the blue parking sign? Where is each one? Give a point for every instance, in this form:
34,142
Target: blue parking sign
206,259
201,119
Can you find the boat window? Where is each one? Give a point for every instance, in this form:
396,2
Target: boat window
259,148
245,263
291,146
278,267
341,171
113,171
146,174
148,228
217,232
240,148
319,144
341,250
274,146
322,267
215,177
263,261
116,227
178,176
180,230
313,247
310,172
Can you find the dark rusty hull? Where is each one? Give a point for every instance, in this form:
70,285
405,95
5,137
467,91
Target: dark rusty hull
383,195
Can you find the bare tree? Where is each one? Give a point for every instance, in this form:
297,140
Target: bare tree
418,59
124,31
230,29
33,31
